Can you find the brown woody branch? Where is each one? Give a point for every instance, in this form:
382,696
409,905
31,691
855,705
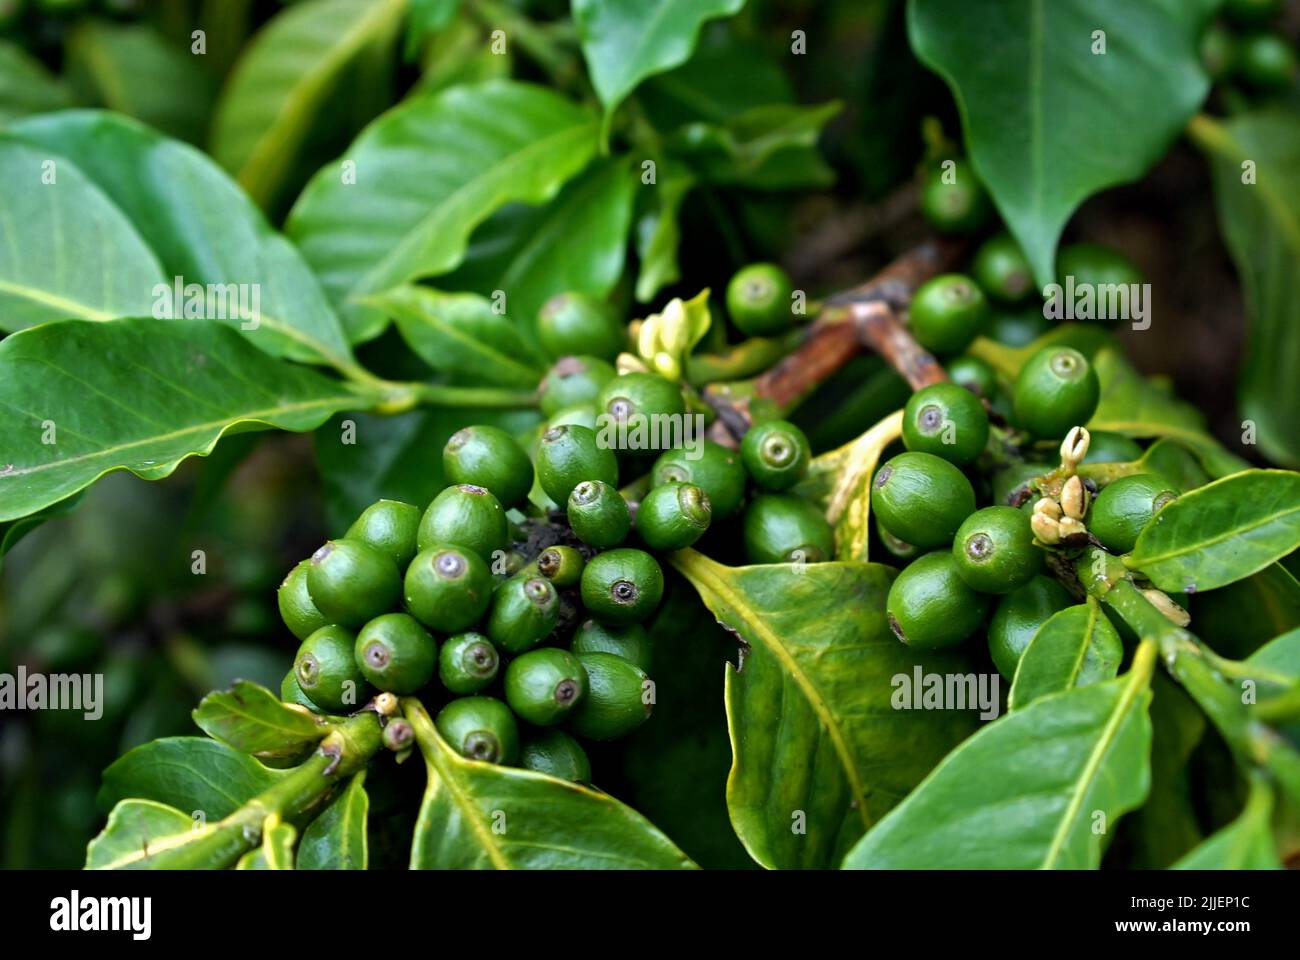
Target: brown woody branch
867,316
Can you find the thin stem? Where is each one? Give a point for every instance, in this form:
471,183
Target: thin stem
1191,664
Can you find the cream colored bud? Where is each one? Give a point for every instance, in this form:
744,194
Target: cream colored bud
1074,447
1048,507
1070,527
1074,498
386,704
1045,528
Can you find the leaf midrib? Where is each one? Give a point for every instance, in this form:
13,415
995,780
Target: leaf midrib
502,170
702,567
1139,677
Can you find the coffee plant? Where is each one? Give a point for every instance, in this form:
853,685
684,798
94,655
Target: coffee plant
689,384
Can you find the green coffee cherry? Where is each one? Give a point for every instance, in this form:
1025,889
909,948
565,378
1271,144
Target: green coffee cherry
562,565
622,586
1106,447
784,528
1017,327
758,300
929,605
900,549
673,516
633,397
569,455
480,728
1097,267
1057,389
389,526
395,653
296,609
578,323
327,672
1002,270
959,206
921,498
467,516
489,457
947,313
467,663
351,582
556,754
524,612
1017,618
1266,61
630,641
574,381
291,692
946,420
716,470
994,550
448,588
776,454
618,698
544,686
974,375
598,514
1123,508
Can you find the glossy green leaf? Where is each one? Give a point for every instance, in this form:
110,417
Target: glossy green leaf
426,174
203,229
163,390
252,719
481,815
1166,826
773,147
658,232
1048,120
809,777
1076,647
1261,225
26,86
1246,843
1034,789
1134,406
461,334
576,243
625,41
1221,532
337,838
79,256
144,835
286,78
133,70
188,773
393,458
